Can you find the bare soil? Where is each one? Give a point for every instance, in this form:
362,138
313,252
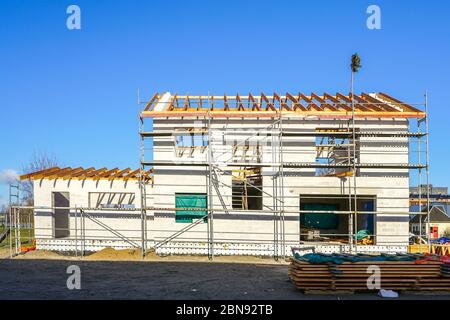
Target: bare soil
110,254
122,274
46,279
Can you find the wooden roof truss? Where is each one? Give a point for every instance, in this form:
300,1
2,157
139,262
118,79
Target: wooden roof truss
376,105
80,173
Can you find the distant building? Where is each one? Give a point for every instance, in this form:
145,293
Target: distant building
439,223
437,194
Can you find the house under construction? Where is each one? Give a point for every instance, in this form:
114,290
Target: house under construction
250,174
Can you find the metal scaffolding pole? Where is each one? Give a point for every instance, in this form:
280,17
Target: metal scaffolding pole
281,175
427,171
210,220
419,187
353,220
277,166
275,193
14,200
142,182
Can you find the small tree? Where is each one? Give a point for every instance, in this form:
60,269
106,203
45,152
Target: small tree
40,161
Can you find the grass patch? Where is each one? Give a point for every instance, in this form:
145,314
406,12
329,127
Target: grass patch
26,236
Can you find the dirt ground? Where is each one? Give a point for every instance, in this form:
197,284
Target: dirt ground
42,275
110,254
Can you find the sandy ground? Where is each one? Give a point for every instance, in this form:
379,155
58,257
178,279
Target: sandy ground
42,275
4,253
109,254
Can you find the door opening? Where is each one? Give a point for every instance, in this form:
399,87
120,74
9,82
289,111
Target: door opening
61,215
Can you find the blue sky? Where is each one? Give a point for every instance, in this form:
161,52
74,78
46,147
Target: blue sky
72,93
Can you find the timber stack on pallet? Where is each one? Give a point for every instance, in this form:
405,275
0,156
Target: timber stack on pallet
353,276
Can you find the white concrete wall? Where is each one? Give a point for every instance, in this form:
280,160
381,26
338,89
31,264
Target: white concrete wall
127,223
232,228
390,187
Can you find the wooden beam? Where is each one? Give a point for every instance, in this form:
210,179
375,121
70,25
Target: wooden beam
132,174
282,103
33,175
255,104
239,105
349,101
149,104
398,102
172,102
272,114
56,174
365,103
70,174
269,105
186,104
225,102
296,103
323,103
80,173
337,102
379,103
119,173
91,174
105,174
199,106
311,104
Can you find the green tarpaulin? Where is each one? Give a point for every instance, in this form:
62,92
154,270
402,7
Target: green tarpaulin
190,201
319,220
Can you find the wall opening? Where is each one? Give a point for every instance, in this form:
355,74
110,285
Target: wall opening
189,141
336,150
247,189
113,200
333,226
61,215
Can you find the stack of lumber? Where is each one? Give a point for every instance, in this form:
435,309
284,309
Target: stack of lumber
353,276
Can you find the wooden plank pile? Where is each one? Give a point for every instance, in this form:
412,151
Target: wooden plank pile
353,276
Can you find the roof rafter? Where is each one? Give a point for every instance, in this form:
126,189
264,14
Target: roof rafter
349,102
269,105
374,105
385,106
365,103
225,102
282,103
150,103
296,103
239,105
323,103
337,102
255,104
311,104
398,102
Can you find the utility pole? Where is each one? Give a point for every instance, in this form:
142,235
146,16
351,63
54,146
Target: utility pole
353,220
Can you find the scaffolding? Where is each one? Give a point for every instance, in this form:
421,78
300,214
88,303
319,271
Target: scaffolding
339,146
256,163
